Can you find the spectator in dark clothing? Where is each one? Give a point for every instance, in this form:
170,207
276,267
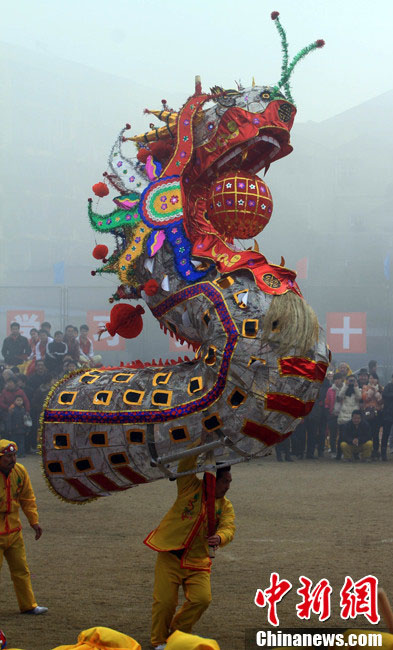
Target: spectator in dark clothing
71,342
362,376
16,424
332,406
38,377
284,447
55,352
9,393
7,398
21,382
356,438
16,348
34,338
372,368
47,328
38,400
387,418
40,348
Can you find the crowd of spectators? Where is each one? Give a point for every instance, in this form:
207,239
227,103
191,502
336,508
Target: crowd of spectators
30,367
352,419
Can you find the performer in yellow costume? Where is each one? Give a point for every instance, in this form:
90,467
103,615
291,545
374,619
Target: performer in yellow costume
15,492
183,543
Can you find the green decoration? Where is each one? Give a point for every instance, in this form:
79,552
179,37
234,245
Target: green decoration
286,70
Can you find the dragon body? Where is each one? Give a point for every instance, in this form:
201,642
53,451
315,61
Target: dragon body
260,356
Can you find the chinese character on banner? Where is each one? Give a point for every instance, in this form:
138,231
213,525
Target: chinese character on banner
346,332
272,595
316,601
360,598
27,319
96,320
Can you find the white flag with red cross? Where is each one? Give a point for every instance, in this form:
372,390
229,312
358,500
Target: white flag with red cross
346,332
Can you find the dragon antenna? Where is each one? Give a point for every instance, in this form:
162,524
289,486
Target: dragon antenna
286,70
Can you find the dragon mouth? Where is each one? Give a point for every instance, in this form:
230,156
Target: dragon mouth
243,141
251,157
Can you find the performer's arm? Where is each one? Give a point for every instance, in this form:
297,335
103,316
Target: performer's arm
185,482
28,502
226,527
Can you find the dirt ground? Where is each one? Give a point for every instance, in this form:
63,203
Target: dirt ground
317,518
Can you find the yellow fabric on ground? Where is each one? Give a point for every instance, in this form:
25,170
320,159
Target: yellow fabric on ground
102,638
181,641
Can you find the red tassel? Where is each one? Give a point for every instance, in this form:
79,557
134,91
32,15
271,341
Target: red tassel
320,42
274,15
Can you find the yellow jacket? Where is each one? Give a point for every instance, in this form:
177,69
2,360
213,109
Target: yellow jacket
15,492
185,524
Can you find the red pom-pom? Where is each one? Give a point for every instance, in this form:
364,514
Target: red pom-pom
320,42
93,272
100,189
163,101
161,150
100,251
90,200
143,154
111,300
146,111
151,287
126,321
128,126
274,15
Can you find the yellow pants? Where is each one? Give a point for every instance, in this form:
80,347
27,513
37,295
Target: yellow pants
12,547
351,451
168,578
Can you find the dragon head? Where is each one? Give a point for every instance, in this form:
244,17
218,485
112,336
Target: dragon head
216,143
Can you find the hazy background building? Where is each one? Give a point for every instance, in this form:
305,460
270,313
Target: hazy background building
332,200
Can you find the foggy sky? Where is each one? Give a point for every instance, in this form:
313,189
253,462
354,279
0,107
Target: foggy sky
163,45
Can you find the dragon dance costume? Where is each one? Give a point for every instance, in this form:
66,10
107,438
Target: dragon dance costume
15,492
183,558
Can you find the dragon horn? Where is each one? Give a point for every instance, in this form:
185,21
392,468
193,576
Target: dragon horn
161,133
286,70
300,55
284,45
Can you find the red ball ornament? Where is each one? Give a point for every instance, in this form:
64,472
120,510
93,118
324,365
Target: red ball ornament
126,321
100,189
239,205
100,251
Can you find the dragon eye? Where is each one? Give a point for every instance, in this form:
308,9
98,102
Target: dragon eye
265,95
